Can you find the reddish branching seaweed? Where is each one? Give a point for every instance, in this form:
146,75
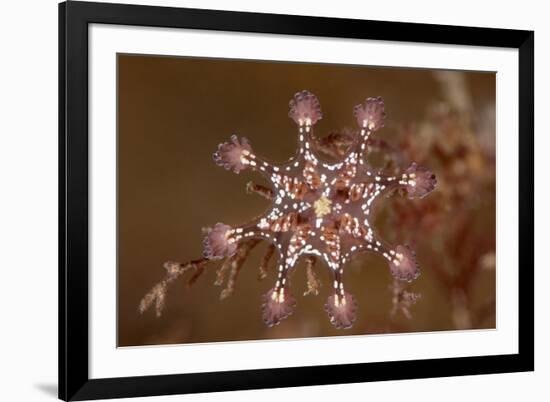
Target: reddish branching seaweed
318,209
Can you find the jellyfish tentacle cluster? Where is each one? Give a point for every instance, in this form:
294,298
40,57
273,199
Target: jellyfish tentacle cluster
319,208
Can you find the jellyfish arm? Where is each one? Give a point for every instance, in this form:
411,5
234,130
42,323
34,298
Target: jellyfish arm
401,259
340,306
370,116
290,242
416,181
237,155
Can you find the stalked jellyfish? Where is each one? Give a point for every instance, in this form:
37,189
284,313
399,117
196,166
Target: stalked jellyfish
318,209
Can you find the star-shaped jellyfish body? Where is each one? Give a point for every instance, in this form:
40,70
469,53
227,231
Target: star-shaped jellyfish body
319,208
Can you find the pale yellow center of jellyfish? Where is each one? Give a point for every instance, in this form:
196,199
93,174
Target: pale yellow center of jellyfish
322,206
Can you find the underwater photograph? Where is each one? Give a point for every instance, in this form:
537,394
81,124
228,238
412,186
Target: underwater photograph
266,200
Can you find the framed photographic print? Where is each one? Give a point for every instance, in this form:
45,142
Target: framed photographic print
256,200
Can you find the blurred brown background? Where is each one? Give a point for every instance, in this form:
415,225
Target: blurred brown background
172,114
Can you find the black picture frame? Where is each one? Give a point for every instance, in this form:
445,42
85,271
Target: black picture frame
74,18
